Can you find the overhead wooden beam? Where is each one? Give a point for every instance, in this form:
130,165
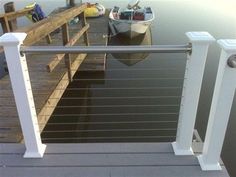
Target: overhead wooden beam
41,29
56,59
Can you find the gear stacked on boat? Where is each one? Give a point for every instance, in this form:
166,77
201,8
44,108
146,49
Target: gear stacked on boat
132,20
132,15
94,10
36,14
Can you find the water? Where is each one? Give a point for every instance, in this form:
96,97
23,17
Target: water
173,19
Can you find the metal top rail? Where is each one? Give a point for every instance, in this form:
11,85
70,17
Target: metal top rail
107,49
232,61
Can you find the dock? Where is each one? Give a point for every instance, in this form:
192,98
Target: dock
39,87
48,74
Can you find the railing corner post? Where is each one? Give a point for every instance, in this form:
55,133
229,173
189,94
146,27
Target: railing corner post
20,81
195,66
222,101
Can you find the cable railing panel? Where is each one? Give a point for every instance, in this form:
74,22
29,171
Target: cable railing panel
129,100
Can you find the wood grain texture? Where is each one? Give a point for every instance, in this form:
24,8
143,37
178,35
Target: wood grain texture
42,28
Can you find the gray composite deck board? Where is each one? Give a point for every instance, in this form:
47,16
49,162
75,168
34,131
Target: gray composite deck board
94,148
105,160
158,171
85,160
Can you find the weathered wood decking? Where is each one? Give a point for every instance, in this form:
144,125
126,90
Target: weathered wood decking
46,85
98,35
103,160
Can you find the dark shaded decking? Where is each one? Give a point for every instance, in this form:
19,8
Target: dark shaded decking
103,160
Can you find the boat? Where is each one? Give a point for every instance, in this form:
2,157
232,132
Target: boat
130,21
94,10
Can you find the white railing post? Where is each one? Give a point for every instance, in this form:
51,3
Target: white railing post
191,91
21,86
220,108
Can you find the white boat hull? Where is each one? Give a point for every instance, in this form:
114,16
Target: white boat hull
130,28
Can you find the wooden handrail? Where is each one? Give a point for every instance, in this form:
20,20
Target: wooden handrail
16,14
5,18
41,29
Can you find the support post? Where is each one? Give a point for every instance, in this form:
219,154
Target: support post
84,23
191,91
220,108
10,7
72,3
5,25
66,39
21,86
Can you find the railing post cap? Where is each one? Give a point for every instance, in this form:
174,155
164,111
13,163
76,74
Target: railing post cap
228,45
200,37
12,38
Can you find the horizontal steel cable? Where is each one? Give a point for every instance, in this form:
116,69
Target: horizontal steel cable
117,122
113,137
94,123
118,98
108,114
114,79
107,70
106,130
112,106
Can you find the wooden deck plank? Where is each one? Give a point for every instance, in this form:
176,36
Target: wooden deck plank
96,62
58,92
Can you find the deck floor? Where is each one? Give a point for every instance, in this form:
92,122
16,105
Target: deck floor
102,160
44,84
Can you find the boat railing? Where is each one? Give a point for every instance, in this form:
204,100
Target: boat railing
196,52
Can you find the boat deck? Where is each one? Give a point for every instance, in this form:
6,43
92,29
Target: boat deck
103,160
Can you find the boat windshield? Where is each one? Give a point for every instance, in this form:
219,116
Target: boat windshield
133,4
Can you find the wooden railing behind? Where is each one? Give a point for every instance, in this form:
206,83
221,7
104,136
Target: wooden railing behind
7,21
42,29
39,30
7,17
